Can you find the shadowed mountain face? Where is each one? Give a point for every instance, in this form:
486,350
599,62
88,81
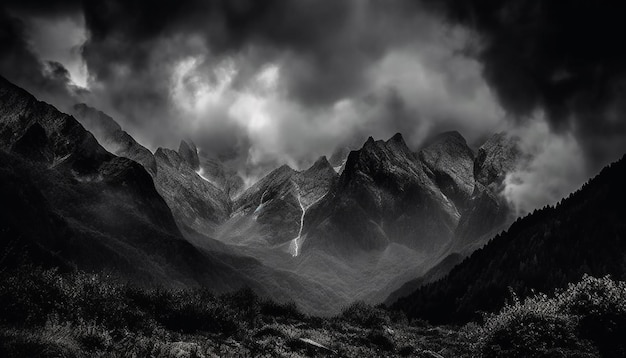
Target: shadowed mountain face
102,211
549,248
111,136
487,211
450,163
425,201
68,202
196,204
382,196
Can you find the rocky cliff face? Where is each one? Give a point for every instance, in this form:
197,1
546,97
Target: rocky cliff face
189,152
450,163
196,204
270,212
487,212
111,136
383,195
227,179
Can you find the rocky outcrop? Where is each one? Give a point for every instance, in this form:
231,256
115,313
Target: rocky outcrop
189,152
450,163
498,156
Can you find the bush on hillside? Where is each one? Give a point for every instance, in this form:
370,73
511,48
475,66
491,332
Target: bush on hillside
587,319
364,315
600,305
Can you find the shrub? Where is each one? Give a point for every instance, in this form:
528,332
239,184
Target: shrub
245,302
192,311
281,310
381,338
586,319
362,314
28,294
600,305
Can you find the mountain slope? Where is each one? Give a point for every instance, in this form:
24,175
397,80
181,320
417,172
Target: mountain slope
69,203
450,162
111,136
196,204
487,211
585,233
270,212
102,211
383,195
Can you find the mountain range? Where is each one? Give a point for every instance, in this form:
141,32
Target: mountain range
355,227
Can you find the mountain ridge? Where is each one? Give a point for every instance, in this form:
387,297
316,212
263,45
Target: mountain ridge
546,249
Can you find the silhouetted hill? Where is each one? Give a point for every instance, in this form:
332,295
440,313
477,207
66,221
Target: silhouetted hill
585,233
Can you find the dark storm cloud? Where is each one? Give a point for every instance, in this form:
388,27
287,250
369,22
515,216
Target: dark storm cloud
567,58
47,80
346,70
330,42
269,82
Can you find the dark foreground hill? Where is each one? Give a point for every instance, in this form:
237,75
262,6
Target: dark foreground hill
584,234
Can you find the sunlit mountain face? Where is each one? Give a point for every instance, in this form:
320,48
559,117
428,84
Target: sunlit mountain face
281,168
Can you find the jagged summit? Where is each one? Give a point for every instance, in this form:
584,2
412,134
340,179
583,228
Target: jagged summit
383,195
320,164
396,138
189,152
450,163
67,143
499,155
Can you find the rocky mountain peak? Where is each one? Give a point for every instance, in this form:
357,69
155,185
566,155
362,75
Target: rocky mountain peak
397,143
321,165
499,155
189,152
451,165
67,142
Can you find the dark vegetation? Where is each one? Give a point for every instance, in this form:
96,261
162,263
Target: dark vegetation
584,234
44,313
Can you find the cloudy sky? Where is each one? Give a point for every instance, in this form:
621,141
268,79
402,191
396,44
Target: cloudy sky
267,82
